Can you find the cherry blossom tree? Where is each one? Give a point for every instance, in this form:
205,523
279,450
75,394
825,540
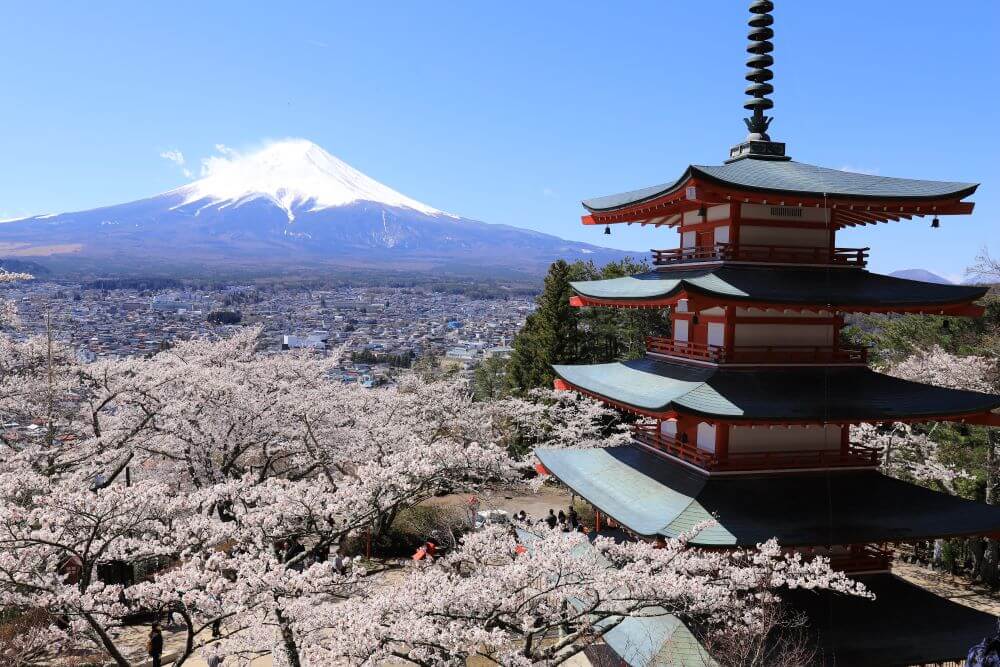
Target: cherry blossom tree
249,474
914,454
986,266
248,455
56,532
28,639
935,366
558,418
540,598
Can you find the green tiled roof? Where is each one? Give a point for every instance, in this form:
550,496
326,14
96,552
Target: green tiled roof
791,285
793,178
654,641
652,501
814,393
652,495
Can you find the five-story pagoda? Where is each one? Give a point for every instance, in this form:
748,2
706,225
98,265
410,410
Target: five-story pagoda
748,405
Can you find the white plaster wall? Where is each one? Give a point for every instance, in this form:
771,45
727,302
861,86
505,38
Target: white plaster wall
706,437
762,212
782,439
680,330
688,239
716,334
722,234
784,334
669,427
714,213
790,236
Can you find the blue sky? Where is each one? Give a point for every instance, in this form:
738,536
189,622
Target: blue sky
507,112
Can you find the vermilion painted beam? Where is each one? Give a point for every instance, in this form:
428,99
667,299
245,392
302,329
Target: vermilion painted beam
953,310
988,419
710,194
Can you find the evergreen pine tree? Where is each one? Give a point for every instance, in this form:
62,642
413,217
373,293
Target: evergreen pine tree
557,333
550,334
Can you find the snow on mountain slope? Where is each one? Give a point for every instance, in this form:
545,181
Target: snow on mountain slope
293,173
289,206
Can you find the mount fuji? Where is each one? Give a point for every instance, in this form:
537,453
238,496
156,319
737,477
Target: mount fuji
288,207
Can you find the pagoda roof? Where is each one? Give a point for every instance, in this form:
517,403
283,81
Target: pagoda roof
813,394
791,178
903,625
651,495
843,289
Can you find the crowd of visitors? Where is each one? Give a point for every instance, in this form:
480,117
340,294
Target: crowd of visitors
568,521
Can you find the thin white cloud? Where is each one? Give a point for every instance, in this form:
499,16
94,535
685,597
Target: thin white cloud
548,192
177,158
174,156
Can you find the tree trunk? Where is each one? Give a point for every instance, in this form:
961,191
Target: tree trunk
288,639
106,641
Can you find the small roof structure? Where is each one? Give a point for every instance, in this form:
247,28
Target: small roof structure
842,289
656,640
811,394
792,178
652,495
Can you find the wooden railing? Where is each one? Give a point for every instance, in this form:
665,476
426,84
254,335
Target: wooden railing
862,558
680,348
778,254
650,435
759,354
855,456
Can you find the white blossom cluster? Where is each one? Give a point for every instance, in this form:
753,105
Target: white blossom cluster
909,453
237,478
530,599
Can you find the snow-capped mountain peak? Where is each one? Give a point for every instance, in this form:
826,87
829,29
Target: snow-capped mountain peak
289,207
293,173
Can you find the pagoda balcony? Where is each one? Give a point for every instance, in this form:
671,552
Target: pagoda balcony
862,558
765,254
758,354
856,456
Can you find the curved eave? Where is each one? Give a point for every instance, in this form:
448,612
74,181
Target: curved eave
846,395
651,495
803,185
636,197
960,191
784,288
